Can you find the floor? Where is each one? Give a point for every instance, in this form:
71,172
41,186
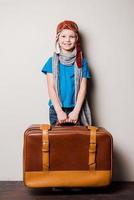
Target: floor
17,191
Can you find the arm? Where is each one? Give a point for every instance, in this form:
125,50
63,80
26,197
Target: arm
73,116
55,99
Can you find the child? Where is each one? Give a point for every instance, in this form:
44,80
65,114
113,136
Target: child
67,73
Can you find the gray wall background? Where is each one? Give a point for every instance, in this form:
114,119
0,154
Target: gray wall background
27,36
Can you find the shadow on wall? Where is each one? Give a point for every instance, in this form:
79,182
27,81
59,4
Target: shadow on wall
90,98
91,84
119,173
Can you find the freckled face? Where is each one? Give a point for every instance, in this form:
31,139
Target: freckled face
67,40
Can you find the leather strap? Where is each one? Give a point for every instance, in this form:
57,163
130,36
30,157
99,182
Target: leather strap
45,145
92,147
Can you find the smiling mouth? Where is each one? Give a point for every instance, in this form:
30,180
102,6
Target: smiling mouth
67,44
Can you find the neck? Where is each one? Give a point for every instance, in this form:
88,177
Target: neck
67,52
67,57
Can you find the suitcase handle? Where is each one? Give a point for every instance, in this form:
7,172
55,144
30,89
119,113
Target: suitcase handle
68,124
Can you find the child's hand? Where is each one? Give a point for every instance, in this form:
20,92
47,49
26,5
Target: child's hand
73,117
62,117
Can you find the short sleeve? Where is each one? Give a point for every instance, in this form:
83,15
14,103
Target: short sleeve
85,69
47,68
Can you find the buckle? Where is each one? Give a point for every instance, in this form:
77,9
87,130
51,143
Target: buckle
92,147
45,147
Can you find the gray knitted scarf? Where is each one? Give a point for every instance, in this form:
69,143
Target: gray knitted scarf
69,59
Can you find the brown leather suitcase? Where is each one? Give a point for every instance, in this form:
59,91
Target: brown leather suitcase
67,156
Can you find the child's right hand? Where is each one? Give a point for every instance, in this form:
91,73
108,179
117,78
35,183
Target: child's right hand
62,117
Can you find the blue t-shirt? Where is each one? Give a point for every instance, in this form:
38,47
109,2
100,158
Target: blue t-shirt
66,79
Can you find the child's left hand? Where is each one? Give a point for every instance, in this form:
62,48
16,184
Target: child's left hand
73,117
